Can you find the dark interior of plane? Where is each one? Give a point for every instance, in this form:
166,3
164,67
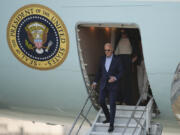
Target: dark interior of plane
91,40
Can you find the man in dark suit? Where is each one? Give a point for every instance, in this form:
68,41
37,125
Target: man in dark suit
109,73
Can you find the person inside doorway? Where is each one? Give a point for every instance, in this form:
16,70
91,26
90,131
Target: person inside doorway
127,51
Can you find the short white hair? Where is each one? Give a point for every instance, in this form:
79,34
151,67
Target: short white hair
108,44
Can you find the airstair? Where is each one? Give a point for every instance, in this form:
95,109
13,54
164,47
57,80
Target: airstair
125,122
129,120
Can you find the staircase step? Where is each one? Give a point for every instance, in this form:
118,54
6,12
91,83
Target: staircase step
118,131
106,133
121,124
122,120
128,107
127,114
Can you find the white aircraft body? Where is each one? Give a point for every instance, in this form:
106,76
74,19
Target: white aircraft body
56,92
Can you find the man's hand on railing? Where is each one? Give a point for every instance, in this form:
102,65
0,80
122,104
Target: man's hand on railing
93,85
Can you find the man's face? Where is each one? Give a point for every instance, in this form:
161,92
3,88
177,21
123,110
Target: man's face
108,50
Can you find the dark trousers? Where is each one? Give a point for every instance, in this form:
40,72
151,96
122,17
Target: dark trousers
112,101
125,85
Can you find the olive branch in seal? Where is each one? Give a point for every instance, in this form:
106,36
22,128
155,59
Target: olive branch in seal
28,45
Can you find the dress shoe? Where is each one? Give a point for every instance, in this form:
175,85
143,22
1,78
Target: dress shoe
111,128
123,103
106,121
118,103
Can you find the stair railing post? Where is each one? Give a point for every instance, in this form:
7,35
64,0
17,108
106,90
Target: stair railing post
78,116
148,115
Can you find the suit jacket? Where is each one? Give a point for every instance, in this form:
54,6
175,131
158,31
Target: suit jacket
115,69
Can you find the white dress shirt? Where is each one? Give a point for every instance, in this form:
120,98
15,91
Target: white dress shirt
108,62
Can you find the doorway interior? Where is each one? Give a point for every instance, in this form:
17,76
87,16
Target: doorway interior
91,39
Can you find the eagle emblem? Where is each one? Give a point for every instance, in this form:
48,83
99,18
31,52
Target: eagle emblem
37,35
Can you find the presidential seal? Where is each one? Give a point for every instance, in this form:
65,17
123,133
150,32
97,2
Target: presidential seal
38,37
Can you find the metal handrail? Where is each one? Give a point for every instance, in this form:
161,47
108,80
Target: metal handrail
85,117
139,120
132,116
81,114
149,106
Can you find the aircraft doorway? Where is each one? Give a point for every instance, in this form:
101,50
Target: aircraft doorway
91,39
